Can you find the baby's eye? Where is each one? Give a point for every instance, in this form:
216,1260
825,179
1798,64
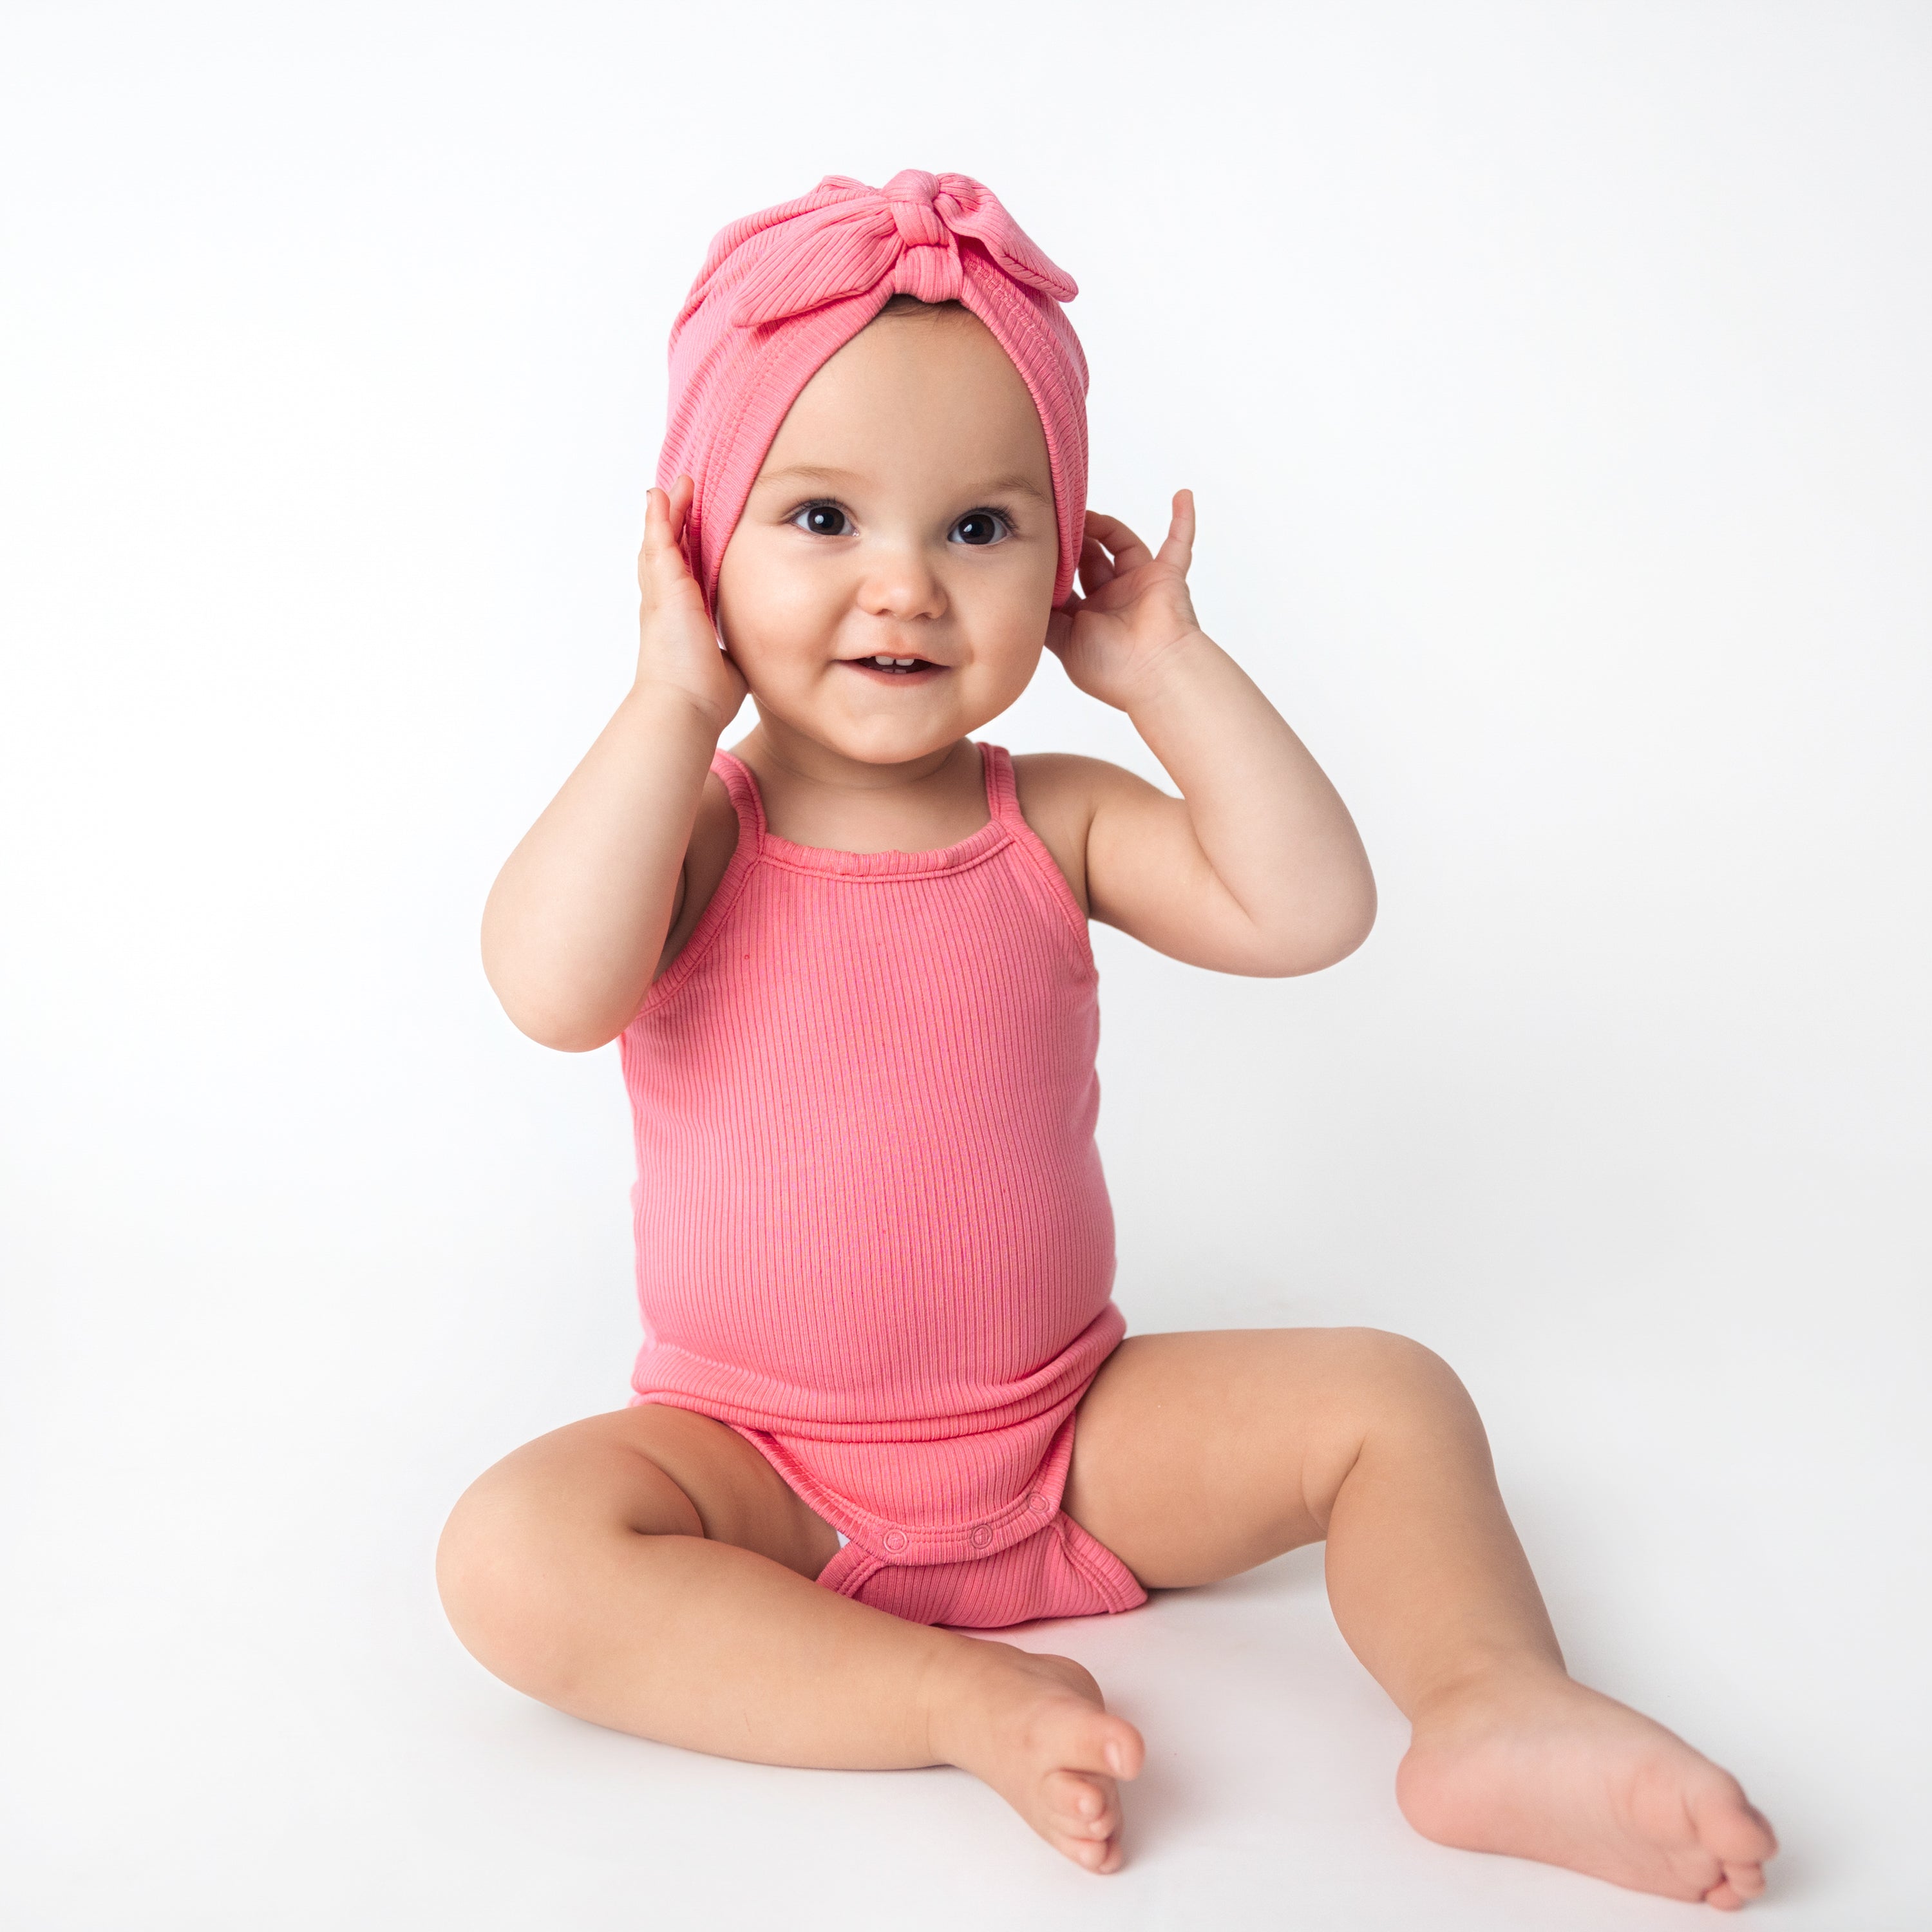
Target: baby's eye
823,520
978,527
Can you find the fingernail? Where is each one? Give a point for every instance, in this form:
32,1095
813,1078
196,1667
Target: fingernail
1115,1763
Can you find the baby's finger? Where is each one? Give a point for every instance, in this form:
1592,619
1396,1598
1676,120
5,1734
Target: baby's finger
665,513
1178,549
663,554
1095,568
1129,552
678,505
654,533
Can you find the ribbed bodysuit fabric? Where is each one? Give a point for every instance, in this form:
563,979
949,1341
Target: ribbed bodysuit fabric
873,1234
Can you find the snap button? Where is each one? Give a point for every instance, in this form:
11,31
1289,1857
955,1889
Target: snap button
894,1540
1037,1503
982,1536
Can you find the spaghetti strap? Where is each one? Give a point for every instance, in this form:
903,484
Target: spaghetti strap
1003,796
1003,800
745,799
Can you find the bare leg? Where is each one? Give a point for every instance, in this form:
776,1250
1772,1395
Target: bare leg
1197,1456
649,1571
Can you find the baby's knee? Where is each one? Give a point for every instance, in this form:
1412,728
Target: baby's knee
487,1558
504,1566
1396,1380
1383,1394
529,1537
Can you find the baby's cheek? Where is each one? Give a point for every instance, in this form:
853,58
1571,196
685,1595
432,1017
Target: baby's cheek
778,624
1011,643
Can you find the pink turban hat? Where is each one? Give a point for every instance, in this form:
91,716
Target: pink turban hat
782,291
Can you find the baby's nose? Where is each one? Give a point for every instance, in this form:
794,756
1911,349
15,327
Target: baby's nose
901,583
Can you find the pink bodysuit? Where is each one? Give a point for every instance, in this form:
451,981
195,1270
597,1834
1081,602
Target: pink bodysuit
873,1235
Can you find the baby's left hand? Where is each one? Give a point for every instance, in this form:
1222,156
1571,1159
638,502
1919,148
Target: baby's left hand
1135,607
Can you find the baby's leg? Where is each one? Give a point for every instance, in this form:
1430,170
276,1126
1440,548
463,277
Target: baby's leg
1197,1456
649,1571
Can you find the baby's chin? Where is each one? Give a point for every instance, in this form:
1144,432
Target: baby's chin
877,725
887,741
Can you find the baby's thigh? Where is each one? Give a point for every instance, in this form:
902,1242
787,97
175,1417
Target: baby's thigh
1196,1456
648,1471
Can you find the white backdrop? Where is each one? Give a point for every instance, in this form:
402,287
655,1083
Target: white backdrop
1554,383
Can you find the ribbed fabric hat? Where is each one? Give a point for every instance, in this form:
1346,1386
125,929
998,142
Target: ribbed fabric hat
783,290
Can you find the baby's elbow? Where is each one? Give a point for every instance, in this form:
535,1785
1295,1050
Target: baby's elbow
1324,940
564,1036
1351,931
560,1025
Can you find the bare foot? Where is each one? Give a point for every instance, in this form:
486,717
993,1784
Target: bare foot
1541,1768
1036,1730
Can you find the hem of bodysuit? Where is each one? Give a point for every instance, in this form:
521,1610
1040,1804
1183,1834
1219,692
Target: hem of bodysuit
1118,1592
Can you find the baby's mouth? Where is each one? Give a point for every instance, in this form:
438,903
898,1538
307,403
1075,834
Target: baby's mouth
895,667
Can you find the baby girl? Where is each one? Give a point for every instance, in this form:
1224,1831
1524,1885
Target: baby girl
884,1395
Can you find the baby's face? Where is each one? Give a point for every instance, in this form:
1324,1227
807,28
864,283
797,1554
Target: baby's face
905,510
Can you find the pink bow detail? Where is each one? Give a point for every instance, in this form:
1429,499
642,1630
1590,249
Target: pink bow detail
909,229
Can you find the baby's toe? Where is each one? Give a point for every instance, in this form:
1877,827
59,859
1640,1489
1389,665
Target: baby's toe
1733,1833
1078,1806
1746,1880
1727,1825
1090,1854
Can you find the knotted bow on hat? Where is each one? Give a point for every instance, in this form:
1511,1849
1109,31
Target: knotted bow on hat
909,229
783,290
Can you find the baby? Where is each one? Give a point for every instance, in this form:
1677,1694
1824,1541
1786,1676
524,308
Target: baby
884,1394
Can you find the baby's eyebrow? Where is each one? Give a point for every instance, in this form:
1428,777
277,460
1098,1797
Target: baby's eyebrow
1015,486
821,473
808,472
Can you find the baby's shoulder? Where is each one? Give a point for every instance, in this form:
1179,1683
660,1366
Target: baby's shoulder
1066,786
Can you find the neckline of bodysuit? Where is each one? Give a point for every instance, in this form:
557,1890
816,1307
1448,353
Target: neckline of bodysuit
826,858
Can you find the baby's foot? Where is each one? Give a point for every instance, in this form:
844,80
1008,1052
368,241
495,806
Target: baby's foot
1035,1730
1541,1768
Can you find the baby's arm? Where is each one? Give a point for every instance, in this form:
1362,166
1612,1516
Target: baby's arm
1257,867
577,920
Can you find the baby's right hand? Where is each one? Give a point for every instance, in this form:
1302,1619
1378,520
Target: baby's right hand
678,648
